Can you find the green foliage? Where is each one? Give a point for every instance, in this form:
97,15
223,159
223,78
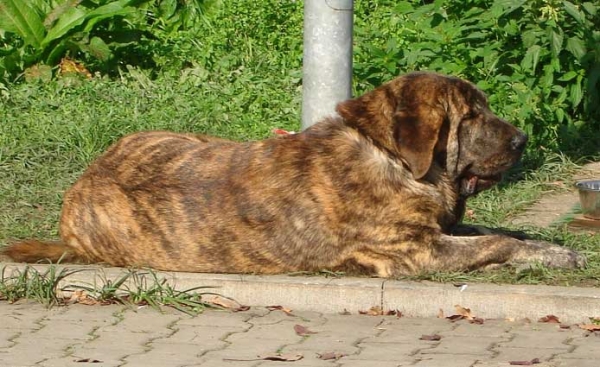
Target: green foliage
44,31
539,60
33,284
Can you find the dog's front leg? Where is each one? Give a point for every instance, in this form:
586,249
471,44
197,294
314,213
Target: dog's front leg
459,253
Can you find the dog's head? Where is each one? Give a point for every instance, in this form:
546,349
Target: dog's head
426,118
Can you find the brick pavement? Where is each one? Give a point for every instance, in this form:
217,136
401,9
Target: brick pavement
77,335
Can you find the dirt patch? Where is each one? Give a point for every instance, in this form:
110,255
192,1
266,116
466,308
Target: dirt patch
554,207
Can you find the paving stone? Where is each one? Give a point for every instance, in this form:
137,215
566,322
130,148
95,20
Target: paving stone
576,362
305,362
81,313
505,354
408,332
387,351
584,351
71,361
490,328
448,360
21,319
506,364
282,331
363,363
551,339
247,349
7,337
217,362
464,345
171,355
319,345
202,335
67,330
219,319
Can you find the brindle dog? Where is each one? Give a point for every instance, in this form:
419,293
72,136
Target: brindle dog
376,190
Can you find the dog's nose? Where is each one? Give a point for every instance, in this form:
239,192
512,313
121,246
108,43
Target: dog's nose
518,141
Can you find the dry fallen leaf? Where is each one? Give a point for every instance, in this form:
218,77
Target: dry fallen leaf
281,357
302,330
228,303
440,314
432,337
67,66
463,311
476,320
589,327
454,318
550,319
378,311
87,360
330,355
373,311
564,326
287,311
81,297
524,363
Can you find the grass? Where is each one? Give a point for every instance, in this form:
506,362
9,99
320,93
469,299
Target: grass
137,288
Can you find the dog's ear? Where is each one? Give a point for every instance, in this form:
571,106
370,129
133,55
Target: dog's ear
416,133
371,114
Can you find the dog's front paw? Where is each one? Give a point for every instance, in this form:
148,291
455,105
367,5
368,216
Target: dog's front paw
548,254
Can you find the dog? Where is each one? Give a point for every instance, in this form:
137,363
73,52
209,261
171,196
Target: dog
375,190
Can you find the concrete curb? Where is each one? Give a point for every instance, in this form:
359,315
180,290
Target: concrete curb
333,295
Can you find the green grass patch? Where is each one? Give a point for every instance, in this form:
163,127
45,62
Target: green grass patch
51,287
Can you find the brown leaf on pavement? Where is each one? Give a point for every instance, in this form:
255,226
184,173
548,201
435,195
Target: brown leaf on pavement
81,297
524,363
464,313
440,314
330,355
476,320
432,337
373,311
281,357
454,318
589,327
378,311
550,319
564,326
287,311
302,330
228,303
87,360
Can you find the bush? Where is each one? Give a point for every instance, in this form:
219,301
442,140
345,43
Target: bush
103,32
539,60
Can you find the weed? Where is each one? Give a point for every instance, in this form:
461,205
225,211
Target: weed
132,288
31,284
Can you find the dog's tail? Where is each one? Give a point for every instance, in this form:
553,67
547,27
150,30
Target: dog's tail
33,251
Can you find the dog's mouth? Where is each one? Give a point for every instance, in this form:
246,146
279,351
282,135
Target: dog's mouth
472,184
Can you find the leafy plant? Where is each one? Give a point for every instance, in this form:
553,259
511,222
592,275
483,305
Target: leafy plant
45,31
538,60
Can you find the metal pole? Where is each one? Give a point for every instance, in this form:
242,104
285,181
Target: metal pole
327,65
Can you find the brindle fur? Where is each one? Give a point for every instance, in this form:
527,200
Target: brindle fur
376,190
